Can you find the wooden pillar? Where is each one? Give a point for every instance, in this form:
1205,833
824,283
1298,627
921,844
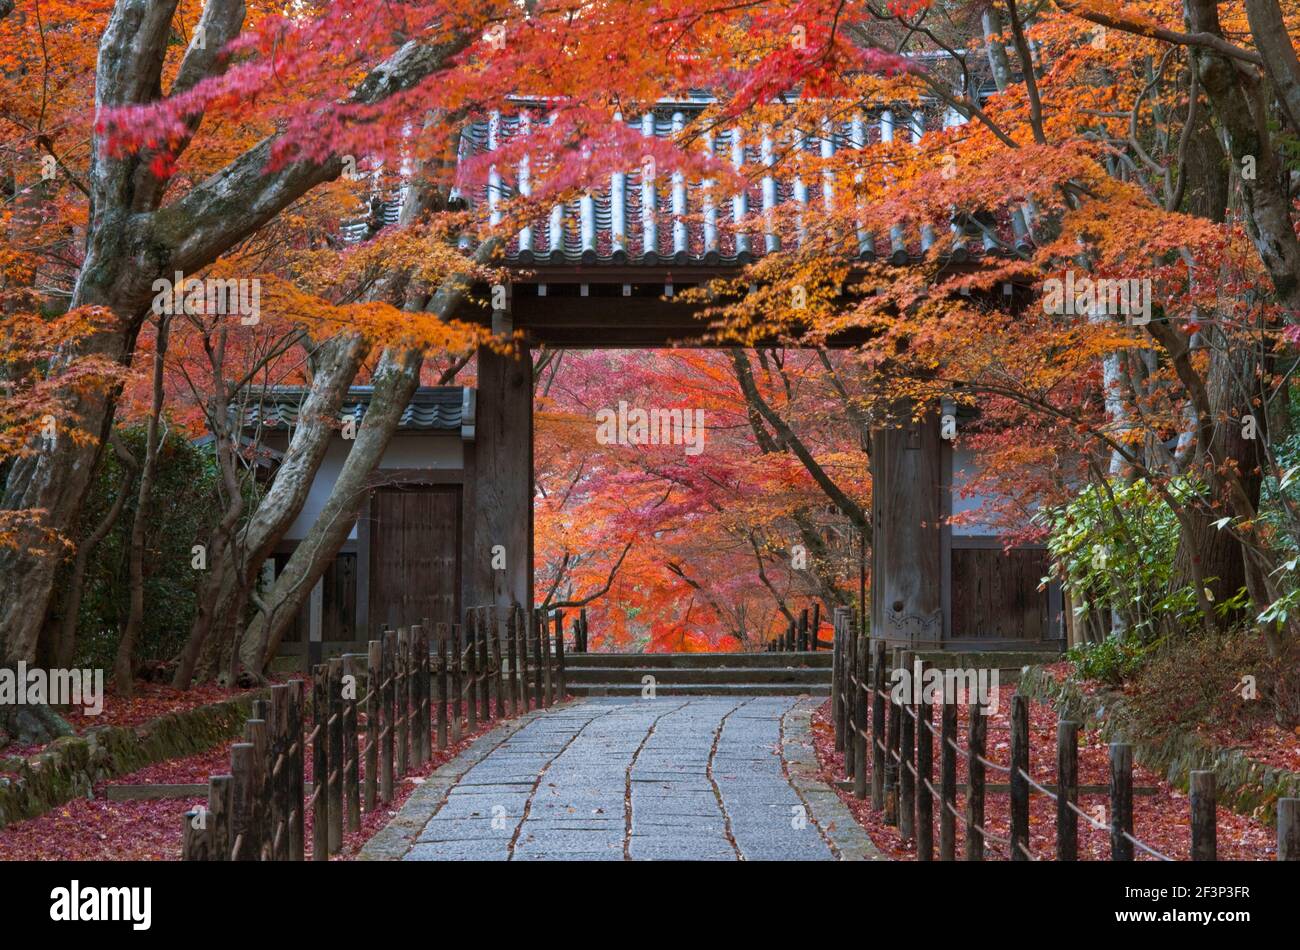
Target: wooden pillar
907,511
503,448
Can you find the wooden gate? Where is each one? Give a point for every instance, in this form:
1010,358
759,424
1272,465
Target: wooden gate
415,544
995,594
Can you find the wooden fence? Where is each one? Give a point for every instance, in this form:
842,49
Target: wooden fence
888,749
801,636
426,687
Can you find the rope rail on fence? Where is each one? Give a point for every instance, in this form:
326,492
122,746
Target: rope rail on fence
898,772
420,694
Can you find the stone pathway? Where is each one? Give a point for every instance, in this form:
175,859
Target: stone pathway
677,778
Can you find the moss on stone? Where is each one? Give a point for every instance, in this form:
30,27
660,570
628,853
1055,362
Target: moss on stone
71,765
1245,785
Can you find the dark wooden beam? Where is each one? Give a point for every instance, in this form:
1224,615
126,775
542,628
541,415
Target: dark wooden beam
503,509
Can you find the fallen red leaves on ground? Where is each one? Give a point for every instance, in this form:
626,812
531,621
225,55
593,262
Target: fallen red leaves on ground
1160,820
152,701
100,830
1269,744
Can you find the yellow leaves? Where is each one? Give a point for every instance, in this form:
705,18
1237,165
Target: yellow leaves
379,321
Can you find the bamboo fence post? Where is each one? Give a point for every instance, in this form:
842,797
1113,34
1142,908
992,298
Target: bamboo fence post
907,759
256,735
848,670
351,749
524,635
512,660
893,753
415,731
548,679
498,672
1288,829
402,716
1067,790
387,742
320,764
1019,778
457,682
444,676
220,801
878,724
196,837
803,630
924,777
561,682
538,663
335,737
975,784
414,700
947,780
1121,801
471,670
1203,794
243,802
837,677
484,668
297,771
426,693
281,790
813,642
859,718
374,700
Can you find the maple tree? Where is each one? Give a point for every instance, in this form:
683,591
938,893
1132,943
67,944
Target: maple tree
1080,137
197,149
673,551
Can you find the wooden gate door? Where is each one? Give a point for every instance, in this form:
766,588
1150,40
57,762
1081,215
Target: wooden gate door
995,595
415,544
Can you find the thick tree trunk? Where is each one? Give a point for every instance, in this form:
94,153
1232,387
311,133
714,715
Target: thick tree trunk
235,566
1242,112
131,241
122,259
1219,556
395,383
997,53
30,724
53,482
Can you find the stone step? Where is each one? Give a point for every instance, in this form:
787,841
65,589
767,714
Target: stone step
723,674
820,659
702,689
988,659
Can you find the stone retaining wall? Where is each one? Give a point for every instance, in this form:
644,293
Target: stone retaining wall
1244,784
70,766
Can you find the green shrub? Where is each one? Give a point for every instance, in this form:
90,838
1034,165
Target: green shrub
1113,548
182,513
1112,661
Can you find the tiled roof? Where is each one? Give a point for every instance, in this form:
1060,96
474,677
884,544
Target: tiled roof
432,409
611,224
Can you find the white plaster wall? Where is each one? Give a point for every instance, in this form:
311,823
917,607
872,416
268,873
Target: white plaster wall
963,467
405,451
